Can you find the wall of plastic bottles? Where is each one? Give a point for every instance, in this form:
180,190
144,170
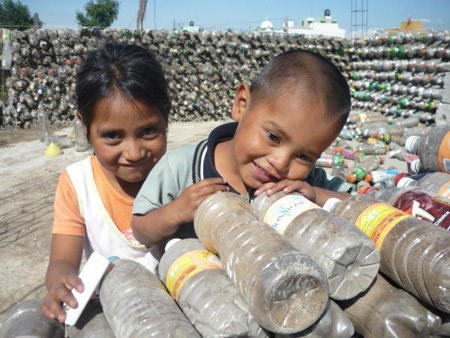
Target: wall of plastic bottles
397,74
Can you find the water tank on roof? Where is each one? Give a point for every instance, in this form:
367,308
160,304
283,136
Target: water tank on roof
327,12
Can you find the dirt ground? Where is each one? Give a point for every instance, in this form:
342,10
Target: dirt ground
28,180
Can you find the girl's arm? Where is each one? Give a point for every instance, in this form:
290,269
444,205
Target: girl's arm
62,275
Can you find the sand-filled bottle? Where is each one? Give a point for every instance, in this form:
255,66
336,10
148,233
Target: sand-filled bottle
437,182
333,323
371,149
348,257
196,280
136,304
433,149
286,290
92,323
387,311
418,203
27,320
414,253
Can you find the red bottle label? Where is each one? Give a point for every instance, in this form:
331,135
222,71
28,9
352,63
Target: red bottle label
434,209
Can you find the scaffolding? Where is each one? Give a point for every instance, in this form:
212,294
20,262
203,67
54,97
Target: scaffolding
359,18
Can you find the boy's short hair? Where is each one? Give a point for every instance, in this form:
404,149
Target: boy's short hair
311,71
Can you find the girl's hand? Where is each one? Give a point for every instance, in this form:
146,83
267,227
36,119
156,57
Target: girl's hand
288,186
61,293
190,199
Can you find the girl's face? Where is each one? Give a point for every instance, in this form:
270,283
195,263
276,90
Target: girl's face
128,137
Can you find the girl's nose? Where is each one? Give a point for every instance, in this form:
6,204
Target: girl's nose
133,151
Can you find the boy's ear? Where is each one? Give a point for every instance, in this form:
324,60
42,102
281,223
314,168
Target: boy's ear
241,102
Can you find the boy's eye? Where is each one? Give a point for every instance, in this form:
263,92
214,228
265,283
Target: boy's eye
273,137
304,158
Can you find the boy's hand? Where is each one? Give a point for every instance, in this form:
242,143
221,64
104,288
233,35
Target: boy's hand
61,293
190,199
288,186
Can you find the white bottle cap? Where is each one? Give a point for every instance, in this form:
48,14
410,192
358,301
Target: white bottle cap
330,203
409,143
415,167
404,182
171,242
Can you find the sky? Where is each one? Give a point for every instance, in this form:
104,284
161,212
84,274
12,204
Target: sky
244,15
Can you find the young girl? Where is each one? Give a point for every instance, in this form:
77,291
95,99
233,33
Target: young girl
123,105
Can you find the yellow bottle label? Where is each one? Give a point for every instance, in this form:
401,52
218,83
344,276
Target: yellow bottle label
444,154
445,190
188,265
377,220
280,214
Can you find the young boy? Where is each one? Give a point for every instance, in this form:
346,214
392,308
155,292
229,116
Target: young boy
291,113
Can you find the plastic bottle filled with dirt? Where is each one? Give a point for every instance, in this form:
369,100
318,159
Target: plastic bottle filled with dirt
92,323
136,304
433,149
348,257
437,182
26,320
407,122
286,290
333,323
387,311
196,280
371,149
418,203
414,253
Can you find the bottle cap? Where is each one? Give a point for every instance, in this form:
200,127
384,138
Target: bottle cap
351,178
381,159
404,182
337,149
368,178
330,203
409,143
365,189
398,177
415,167
171,242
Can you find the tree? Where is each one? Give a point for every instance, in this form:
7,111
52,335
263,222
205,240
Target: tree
99,13
15,15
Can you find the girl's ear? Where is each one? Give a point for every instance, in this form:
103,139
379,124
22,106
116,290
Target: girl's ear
79,117
241,102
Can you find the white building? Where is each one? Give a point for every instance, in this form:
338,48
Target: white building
326,26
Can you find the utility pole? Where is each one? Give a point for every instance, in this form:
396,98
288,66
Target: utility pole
141,14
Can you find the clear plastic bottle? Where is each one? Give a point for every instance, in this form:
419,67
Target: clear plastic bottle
81,142
438,183
286,291
338,163
348,257
407,122
418,203
92,323
196,280
26,320
363,166
43,124
387,311
136,304
7,53
371,149
414,253
325,161
334,323
377,176
433,149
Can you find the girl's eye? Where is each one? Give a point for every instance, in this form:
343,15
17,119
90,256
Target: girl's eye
303,158
273,137
111,135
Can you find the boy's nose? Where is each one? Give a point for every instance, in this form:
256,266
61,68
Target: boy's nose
280,161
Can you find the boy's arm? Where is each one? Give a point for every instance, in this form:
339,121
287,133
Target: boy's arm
160,223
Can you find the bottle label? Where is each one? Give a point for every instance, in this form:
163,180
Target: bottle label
426,207
188,265
338,159
445,190
444,154
280,214
377,220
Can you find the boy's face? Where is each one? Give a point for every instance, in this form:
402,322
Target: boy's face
279,138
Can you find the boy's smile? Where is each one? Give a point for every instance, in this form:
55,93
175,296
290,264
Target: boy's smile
278,138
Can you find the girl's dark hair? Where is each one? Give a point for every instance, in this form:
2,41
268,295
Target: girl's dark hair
130,70
308,70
